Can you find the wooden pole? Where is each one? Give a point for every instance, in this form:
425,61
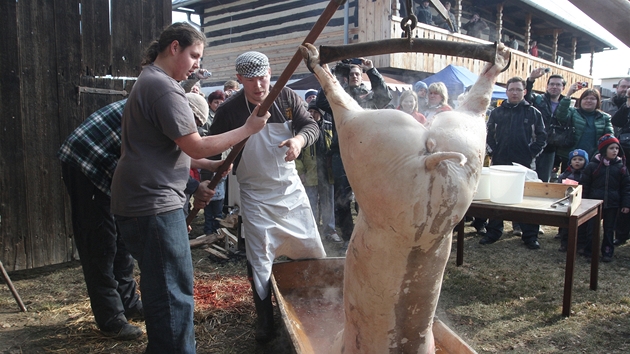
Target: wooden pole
317,29
5,275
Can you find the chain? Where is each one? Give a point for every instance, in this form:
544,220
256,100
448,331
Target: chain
411,17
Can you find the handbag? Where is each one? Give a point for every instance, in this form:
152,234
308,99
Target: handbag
624,141
562,136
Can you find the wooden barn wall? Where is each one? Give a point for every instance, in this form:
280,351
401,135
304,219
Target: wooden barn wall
275,28
49,49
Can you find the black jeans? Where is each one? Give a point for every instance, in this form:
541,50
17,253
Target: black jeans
495,230
107,265
343,198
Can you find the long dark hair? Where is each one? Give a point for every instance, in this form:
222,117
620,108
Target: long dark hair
182,32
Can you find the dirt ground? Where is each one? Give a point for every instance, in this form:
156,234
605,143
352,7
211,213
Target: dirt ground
504,298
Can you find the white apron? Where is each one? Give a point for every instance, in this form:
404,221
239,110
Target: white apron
277,216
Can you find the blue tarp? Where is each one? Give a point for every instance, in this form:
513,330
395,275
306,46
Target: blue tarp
457,78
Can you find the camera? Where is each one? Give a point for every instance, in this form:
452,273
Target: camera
582,84
356,61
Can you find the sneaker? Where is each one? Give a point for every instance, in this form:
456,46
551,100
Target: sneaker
607,259
533,245
517,231
486,241
619,242
540,231
334,238
121,330
481,231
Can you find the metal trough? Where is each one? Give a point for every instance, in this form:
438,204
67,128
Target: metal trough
310,297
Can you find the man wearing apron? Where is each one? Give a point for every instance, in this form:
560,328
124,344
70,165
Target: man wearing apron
277,217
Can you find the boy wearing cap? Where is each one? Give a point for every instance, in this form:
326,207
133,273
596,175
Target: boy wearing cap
277,217
578,159
421,90
310,95
606,178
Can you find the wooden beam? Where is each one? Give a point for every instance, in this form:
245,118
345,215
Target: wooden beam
549,32
458,15
573,51
612,15
590,69
554,48
499,21
528,31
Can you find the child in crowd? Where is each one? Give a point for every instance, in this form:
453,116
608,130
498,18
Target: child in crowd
578,159
606,178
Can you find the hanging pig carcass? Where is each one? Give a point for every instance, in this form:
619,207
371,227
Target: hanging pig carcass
413,184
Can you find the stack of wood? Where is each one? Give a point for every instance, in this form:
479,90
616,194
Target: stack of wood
224,242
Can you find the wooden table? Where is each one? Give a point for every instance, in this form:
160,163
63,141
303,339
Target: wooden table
538,211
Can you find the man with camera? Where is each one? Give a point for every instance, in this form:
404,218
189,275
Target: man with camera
351,71
613,104
617,107
546,103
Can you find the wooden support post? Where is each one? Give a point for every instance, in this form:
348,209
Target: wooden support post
458,15
396,8
528,31
590,69
554,54
499,22
5,275
573,51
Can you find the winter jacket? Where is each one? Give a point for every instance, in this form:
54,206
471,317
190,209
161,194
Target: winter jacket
572,174
611,105
312,163
516,133
543,104
424,15
608,183
621,117
564,113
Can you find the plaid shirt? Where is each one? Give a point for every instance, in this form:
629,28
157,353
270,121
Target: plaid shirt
94,146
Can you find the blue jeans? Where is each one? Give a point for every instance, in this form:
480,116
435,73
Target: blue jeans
211,212
160,245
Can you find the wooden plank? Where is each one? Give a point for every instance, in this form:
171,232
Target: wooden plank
68,57
46,242
97,42
216,253
126,38
13,230
555,191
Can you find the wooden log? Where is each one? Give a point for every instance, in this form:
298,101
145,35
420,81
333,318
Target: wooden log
225,232
215,253
204,240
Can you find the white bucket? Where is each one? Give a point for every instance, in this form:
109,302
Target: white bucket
507,184
483,189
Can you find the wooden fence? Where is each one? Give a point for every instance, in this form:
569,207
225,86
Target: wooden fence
50,49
